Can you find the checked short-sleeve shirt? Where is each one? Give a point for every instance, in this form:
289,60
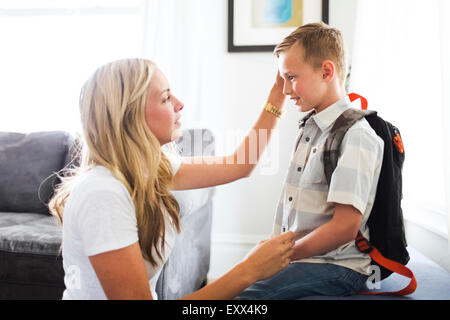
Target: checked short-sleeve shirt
307,202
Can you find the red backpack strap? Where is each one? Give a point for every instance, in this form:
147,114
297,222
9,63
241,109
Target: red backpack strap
354,96
364,246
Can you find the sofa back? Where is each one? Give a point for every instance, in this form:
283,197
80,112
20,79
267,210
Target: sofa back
27,166
28,163
188,264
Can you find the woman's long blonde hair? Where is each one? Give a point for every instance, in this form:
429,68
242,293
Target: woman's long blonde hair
116,136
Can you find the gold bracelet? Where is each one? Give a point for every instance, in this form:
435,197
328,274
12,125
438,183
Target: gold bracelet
273,110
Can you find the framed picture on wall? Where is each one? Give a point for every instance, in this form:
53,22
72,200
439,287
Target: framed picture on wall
258,25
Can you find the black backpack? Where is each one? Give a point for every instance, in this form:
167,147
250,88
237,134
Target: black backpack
387,246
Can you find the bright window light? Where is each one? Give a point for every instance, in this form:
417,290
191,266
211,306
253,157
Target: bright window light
48,53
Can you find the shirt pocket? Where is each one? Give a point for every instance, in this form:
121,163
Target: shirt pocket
314,172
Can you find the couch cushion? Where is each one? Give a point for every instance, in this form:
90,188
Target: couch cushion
30,263
29,233
187,267
26,161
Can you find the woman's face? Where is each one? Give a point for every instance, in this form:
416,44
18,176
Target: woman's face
162,110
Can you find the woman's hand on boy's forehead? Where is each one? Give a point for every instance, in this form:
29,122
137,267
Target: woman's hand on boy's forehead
283,71
280,79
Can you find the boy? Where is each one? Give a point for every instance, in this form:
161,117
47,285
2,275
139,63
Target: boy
326,219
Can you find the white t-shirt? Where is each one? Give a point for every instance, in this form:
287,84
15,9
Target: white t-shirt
99,216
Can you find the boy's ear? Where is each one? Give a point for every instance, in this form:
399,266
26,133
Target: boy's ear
328,70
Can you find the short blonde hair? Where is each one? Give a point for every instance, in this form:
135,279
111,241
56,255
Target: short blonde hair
320,42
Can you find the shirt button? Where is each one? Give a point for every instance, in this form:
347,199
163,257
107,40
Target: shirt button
290,198
314,150
299,169
307,139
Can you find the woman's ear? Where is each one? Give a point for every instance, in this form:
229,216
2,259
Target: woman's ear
328,70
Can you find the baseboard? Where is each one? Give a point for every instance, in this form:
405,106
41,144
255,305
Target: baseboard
429,243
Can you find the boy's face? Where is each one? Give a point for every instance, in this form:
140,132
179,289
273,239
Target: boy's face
304,84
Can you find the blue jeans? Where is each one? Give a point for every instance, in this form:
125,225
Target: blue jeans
303,279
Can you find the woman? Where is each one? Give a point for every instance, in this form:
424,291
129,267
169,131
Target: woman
120,219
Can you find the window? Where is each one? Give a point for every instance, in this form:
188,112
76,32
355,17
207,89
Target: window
399,65
49,48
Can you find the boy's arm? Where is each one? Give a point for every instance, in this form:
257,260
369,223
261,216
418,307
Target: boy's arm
210,171
341,229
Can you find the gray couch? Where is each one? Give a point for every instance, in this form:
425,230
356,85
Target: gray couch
30,238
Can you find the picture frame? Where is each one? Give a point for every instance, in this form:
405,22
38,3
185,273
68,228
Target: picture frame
248,33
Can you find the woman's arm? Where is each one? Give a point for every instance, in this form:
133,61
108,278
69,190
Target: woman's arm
122,272
200,172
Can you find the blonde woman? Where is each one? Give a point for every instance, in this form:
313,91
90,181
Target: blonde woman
118,215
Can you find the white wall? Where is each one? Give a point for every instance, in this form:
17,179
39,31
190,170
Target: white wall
432,244
240,82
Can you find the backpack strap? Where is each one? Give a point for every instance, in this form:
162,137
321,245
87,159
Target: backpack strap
364,246
334,139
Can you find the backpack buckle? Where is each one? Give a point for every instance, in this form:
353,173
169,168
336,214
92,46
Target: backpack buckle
363,244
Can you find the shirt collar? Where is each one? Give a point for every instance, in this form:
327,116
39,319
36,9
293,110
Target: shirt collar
302,121
328,116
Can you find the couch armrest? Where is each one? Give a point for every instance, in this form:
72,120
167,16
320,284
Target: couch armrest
188,265
194,142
